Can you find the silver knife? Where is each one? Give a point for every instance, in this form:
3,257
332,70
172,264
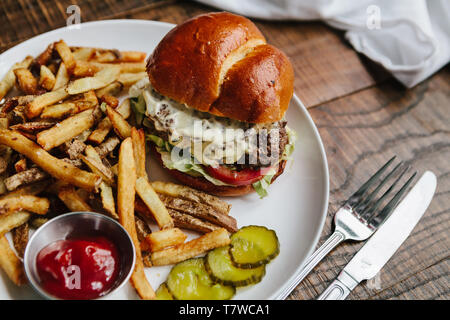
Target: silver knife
384,243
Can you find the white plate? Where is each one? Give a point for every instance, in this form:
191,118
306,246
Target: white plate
297,203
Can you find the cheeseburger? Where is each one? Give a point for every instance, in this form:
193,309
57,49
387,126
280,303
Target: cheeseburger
214,104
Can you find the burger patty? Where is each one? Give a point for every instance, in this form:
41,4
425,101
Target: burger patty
260,157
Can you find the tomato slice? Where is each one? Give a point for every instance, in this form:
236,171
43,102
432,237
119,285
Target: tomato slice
237,178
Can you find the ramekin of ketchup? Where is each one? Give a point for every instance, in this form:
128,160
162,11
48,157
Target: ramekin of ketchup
84,268
79,256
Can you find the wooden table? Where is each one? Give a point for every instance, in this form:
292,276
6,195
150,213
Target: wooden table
363,115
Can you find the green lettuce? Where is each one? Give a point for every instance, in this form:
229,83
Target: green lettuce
139,107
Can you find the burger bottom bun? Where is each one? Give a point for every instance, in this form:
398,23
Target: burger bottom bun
202,184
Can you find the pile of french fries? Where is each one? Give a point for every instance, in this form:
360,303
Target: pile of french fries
68,144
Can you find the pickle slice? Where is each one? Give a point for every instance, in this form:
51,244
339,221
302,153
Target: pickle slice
163,293
253,246
220,268
188,280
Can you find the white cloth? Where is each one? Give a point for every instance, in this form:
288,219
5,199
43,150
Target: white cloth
410,38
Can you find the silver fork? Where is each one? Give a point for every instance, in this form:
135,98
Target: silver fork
357,219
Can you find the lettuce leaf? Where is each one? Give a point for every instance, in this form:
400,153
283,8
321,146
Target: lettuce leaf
262,185
138,106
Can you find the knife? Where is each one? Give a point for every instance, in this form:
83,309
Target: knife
385,241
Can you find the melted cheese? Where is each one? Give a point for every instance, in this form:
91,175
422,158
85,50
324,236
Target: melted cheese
212,139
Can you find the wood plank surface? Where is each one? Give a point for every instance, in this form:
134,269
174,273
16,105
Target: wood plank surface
361,132
364,117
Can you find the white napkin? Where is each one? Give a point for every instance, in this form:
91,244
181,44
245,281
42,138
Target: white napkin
411,39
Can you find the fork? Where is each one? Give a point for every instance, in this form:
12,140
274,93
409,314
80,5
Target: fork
357,219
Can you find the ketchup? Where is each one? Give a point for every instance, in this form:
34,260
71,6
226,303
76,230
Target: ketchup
78,268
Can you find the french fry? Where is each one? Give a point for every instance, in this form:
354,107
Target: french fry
201,211
108,203
89,68
25,177
4,123
180,220
132,67
132,56
31,189
61,110
53,67
100,169
47,78
74,148
54,166
13,220
83,53
187,250
125,205
84,69
26,81
99,134
72,199
142,230
125,67
66,55
128,79
111,101
138,138
111,89
114,169
124,109
108,146
24,203
10,78
45,56
20,238
84,135
71,107
120,125
12,265
92,153
105,56
99,80
32,127
151,199
62,77
162,239
20,165
3,189
66,130
104,126
3,165
183,192
186,221
35,107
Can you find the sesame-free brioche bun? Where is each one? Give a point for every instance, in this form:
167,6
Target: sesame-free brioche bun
220,63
